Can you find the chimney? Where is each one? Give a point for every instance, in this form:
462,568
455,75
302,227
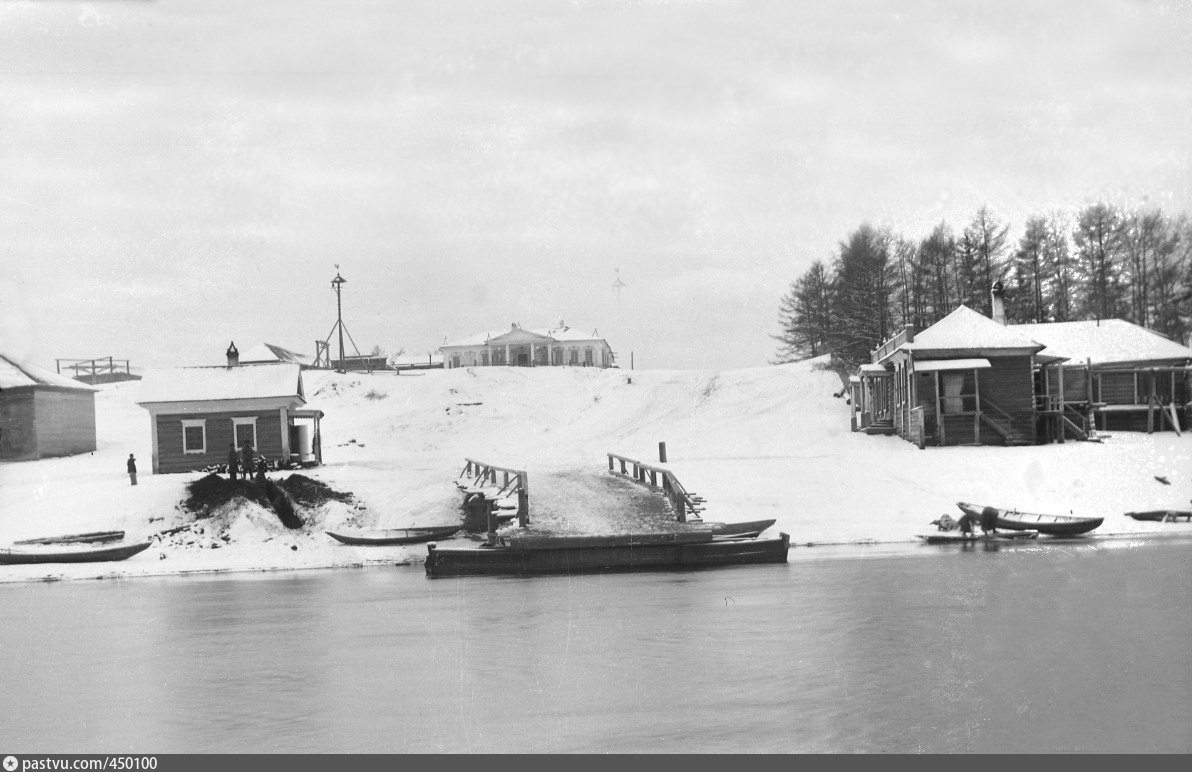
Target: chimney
233,355
998,296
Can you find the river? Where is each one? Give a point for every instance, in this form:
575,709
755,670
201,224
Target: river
1079,646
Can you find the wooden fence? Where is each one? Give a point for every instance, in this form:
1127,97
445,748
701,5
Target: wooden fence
512,481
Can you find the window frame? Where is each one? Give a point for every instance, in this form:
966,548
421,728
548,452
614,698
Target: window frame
237,422
194,423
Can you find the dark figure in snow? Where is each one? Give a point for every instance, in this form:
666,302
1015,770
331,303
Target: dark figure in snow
233,461
132,469
246,462
262,465
967,521
989,520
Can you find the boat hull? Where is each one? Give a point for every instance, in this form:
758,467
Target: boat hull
1052,525
503,560
395,536
95,537
954,537
98,555
1162,515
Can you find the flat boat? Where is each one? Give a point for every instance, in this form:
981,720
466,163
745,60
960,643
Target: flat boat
953,537
530,554
1162,515
95,537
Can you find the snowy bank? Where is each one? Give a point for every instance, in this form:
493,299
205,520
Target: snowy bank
769,442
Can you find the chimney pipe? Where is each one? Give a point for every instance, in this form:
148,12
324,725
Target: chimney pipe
233,355
998,296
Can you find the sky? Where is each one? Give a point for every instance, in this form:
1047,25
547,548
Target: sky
176,175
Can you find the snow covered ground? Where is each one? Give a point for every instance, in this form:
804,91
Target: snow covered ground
768,442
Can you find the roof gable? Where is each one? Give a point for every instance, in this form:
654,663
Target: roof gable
965,328
197,384
15,374
267,352
1104,342
519,335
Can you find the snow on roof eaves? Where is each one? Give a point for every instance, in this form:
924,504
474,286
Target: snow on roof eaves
267,352
561,334
1104,342
16,375
197,384
964,328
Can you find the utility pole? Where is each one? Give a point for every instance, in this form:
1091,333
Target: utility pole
337,284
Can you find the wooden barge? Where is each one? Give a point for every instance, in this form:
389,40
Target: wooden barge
531,554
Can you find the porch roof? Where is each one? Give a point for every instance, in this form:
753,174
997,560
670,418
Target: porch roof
935,365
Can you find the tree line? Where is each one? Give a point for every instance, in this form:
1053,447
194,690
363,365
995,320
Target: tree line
1105,262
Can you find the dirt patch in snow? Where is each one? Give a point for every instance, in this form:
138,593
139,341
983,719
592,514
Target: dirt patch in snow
209,493
309,492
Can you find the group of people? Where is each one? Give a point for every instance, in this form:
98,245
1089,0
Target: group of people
242,461
987,521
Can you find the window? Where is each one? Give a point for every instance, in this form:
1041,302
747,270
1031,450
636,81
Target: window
484,358
194,436
953,384
244,430
588,356
574,357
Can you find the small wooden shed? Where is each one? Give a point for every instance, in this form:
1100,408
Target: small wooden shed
196,413
42,413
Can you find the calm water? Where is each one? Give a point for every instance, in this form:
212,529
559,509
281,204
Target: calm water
1076,646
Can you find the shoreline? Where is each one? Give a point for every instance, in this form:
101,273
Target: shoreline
798,553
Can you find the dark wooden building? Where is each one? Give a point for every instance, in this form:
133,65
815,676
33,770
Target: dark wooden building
1109,375
196,413
42,413
965,380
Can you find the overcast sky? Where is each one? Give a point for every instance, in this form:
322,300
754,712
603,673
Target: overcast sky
178,174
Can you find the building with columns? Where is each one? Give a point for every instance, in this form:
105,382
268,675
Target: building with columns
518,347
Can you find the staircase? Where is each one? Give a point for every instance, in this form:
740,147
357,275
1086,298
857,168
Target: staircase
882,426
1003,423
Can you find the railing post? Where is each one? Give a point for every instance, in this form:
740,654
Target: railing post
523,500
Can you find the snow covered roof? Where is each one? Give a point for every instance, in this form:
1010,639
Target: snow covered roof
195,384
410,360
15,375
965,328
267,352
1104,342
937,365
563,333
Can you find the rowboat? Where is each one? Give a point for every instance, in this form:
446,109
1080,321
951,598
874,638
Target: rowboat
1162,515
78,553
746,530
95,537
953,537
387,536
1052,525
531,554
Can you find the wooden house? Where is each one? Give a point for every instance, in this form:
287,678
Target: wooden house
965,380
196,413
1110,375
42,413
517,347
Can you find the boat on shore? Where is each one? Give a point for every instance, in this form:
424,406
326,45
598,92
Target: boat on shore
1051,525
749,529
531,554
70,553
94,537
388,536
1162,515
960,537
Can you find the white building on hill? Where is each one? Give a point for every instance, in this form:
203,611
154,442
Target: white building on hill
519,347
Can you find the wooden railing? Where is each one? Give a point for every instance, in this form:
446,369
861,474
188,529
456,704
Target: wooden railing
682,500
477,474
905,335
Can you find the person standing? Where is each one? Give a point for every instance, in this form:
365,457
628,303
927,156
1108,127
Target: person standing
246,462
989,520
233,461
132,468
